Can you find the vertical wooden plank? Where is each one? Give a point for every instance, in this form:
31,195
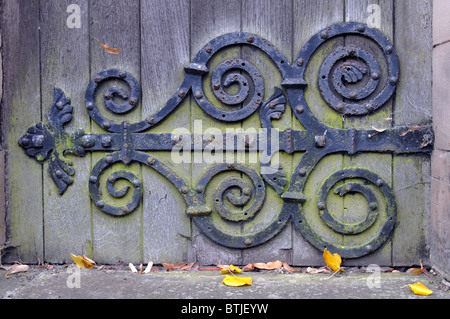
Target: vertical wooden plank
65,64
378,163
165,33
117,24
20,110
210,19
271,20
309,18
413,43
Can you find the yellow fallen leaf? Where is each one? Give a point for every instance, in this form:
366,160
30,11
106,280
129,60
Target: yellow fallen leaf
234,281
108,48
231,269
420,289
82,261
332,261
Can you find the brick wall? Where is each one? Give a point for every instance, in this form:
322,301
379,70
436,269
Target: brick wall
440,185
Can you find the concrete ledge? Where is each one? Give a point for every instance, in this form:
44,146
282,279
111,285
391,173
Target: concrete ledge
108,284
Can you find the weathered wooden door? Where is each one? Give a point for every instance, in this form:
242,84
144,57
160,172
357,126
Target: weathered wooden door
217,131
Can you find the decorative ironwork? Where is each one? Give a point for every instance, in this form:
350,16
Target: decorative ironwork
351,81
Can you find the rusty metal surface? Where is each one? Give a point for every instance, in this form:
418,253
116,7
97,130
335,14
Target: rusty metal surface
128,142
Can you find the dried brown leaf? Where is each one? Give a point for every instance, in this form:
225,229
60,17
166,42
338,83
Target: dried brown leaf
172,267
16,269
269,266
189,267
289,268
311,270
108,48
248,267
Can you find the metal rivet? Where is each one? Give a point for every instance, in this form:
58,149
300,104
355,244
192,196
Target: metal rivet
250,39
340,106
111,179
247,191
136,183
106,124
369,248
93,179
324,35
200,189
60,105
302,172
319,141
216,86
353,95
198,94
208,48
321,206
184,189
122,74
300,109
389,49
373,206
150,120
97,78
375,75
248,242
132,101
100,204
361,28
181,93
109,159
393,80
300,62
107,96
125,209
90,106
151,160
379,183
59,174
106,141
369,107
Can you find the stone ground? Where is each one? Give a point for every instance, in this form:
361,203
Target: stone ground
63,282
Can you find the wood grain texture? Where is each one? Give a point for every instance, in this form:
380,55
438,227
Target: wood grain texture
165,33
309,18
210,19
20,110
413,103
272,21
117,24
378,163
65,64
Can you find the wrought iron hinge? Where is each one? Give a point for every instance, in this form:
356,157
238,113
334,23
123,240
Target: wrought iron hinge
128,143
